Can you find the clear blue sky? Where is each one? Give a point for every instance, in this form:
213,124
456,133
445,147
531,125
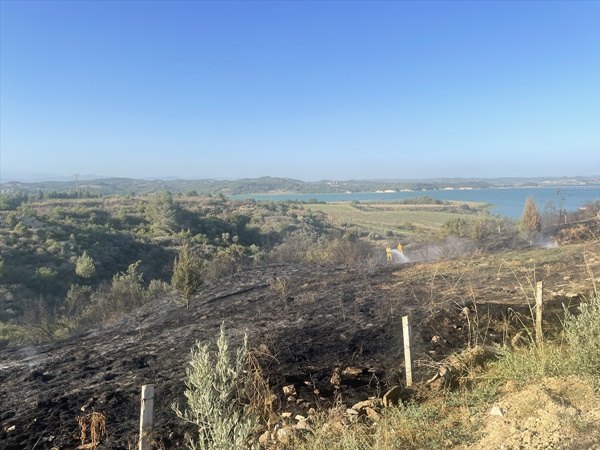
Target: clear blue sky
308,90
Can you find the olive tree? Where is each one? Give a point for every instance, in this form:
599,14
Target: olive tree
214,391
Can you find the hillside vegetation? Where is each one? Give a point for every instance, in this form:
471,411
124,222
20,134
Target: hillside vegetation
64,262
123,186
87,284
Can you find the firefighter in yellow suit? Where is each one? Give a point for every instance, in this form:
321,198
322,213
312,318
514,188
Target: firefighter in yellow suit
388,252
400,248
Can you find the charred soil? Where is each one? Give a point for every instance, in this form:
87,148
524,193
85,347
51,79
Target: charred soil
334,333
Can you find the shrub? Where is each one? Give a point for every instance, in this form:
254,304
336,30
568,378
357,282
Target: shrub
339,251
126,291
224,263
215,405
158,289
583,336
77,299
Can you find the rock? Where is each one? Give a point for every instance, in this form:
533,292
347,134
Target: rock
283,436
372,414
302,425
87,404
299,417
264,438
496,411
353,371
566,278
289,390
9,429
291,399
392,397
352,412
286,415
367,403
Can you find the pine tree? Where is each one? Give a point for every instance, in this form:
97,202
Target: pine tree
85,266
187,273
531,221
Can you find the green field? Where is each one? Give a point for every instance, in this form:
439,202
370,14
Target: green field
380,218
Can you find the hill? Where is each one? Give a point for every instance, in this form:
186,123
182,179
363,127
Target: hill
306,324
268,185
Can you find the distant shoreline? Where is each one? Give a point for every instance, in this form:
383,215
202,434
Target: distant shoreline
424,191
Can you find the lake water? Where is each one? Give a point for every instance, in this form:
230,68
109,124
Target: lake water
507,202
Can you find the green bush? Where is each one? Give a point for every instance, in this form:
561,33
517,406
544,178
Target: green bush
579,354
215,406
529,364
158,289
583,336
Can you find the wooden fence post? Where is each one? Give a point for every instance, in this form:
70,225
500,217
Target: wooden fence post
146,416
539,309
407,357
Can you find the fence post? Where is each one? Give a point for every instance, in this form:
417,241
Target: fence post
146,416
407,357
539,309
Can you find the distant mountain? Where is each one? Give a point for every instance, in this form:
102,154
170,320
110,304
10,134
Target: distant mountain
40,177
270,185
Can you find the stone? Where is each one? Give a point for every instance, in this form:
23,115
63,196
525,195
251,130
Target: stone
392,397
283,435
352,412
352,371
366,403
496,411
289,390
372,414
264,438
302,425
286,415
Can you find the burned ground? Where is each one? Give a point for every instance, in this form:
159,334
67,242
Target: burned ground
305,323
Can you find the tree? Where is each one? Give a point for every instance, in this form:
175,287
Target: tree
187,273
126,290
531,221
85,267
162,213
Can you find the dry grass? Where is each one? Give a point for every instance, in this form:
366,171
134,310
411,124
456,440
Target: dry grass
92,428
280,287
